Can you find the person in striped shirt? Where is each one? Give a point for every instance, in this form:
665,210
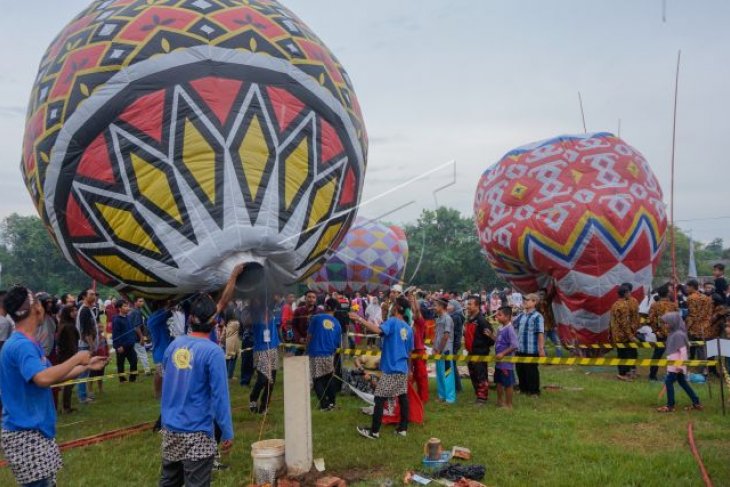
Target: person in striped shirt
530,326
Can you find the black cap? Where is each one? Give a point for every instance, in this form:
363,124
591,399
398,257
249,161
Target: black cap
331,304
203,308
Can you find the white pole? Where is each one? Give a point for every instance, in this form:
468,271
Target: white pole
297,416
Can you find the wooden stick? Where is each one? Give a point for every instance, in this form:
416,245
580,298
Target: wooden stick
671,197
721,365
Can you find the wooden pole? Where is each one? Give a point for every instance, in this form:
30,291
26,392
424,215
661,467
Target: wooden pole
722,374
705,369
671,197
582,113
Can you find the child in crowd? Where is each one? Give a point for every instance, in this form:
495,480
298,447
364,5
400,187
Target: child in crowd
506,346
677,349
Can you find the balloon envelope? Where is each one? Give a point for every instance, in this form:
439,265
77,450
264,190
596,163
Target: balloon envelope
371,258
165,143
581,213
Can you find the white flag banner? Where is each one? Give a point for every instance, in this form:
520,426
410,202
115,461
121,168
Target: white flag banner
718,348
692,268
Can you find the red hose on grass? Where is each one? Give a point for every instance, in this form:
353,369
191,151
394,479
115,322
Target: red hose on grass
698,458
106,436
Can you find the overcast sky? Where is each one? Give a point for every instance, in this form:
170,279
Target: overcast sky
470,80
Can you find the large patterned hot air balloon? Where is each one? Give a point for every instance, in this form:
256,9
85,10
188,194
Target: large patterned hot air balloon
581,213
371,258
167,141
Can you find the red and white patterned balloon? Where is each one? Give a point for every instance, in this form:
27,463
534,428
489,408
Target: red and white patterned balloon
581,213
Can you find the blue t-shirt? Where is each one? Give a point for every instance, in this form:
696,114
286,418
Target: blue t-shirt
161,338
195,388
397,346
265,336
529,326
25,405
325,334
123,333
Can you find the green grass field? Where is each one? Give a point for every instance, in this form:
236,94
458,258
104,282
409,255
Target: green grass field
606,434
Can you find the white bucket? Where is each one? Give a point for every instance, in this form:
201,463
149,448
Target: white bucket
268,460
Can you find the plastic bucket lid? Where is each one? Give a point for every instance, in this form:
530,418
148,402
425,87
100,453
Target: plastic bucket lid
267,449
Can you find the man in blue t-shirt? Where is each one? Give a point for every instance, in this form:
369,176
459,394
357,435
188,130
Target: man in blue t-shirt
195,400
323,339
124,338
265,356
194,396
397,338
157,324
26,375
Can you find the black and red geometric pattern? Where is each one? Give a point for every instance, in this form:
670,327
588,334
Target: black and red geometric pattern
157,124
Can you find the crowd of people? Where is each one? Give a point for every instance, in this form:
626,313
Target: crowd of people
195,345
704,311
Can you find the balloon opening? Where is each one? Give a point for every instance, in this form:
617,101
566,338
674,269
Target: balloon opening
252,280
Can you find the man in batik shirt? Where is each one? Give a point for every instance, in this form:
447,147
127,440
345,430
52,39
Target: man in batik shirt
624,321
699,316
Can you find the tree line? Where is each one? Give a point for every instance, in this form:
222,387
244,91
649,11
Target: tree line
444,253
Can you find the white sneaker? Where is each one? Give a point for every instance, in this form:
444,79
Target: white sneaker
367,433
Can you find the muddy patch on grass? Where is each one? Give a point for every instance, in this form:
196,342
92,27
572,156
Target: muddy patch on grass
642,436
361,474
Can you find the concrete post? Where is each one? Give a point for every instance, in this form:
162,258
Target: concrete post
297,416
